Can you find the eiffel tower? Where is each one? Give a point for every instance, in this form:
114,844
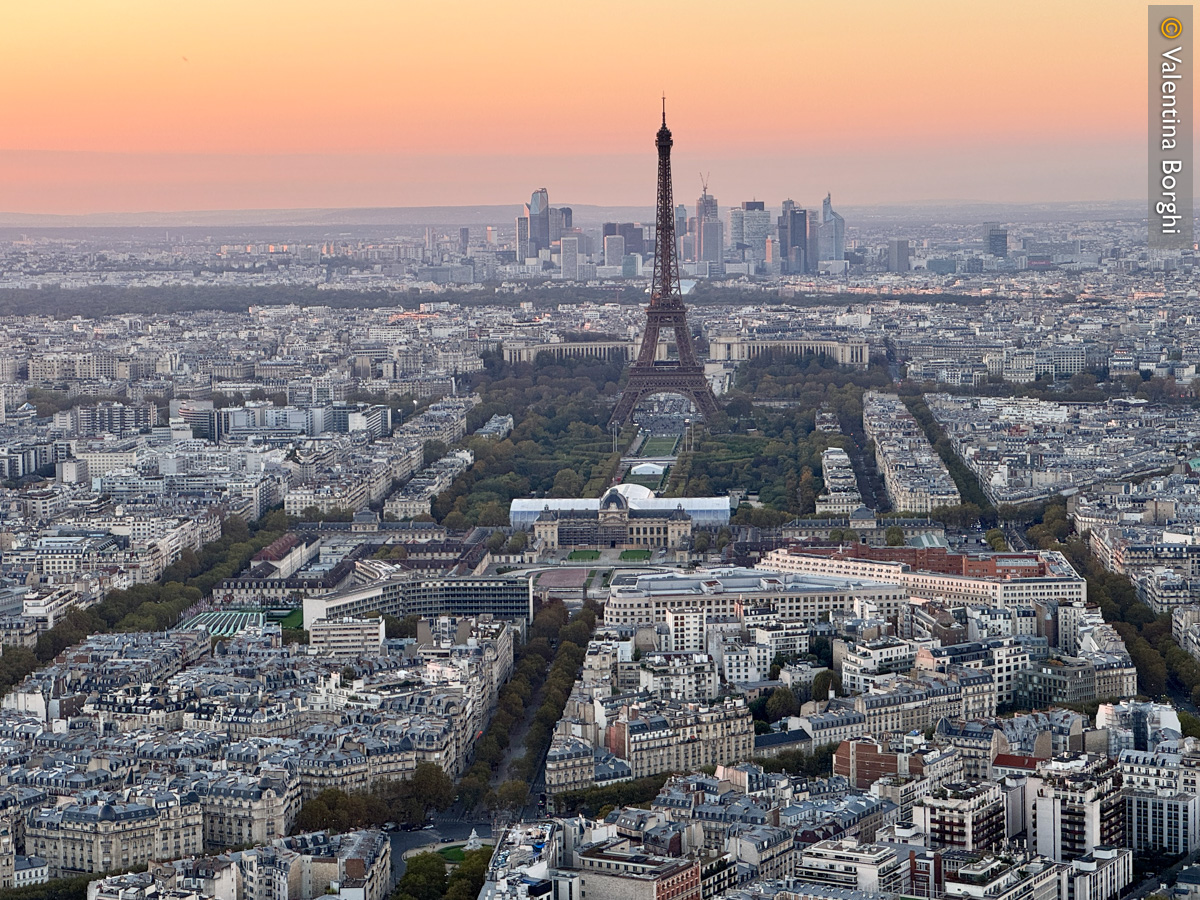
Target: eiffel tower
683,376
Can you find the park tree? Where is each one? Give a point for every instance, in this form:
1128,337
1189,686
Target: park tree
235,529
995,540
424,878
567,483
781,704
432,786
433,451
823,682
512,794
395,628
467,878
456,521
1083,381
822,649
894,536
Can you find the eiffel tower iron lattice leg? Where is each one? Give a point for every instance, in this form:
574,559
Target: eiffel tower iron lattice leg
683,376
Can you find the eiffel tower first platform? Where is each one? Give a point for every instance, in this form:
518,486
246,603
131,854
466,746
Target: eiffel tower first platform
683,376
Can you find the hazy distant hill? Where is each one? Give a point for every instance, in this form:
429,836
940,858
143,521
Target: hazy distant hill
379,216
585,215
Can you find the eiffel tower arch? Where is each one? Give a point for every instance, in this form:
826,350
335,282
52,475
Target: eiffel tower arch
666,313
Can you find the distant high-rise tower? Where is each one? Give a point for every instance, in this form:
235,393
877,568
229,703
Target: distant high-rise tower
706,205
614,249
797,239
537,212
737,228
831,233
560,222
464,240
568,257
525,247
710,235
681,224
898,255
749,228
666,313
710,241
634,239
995,239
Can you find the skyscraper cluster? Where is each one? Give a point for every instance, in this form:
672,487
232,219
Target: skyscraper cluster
541,225
795,242
747,238
621,239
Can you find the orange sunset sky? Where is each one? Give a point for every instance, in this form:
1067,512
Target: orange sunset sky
132,106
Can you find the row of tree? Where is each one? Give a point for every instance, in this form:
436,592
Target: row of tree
1159,660
406,801
108,300
568,660
532,670
150,607
1093,386
975,503
531,666
598,801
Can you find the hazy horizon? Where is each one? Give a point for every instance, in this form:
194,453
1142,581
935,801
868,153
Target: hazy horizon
585,215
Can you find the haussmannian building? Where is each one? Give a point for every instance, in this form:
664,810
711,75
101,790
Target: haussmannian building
682,737
243,809
82,838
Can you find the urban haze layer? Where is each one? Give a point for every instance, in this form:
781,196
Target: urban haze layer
333,564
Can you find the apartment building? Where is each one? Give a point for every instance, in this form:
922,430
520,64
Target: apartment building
962,816
81,838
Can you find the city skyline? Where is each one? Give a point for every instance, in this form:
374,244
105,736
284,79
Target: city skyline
285,107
